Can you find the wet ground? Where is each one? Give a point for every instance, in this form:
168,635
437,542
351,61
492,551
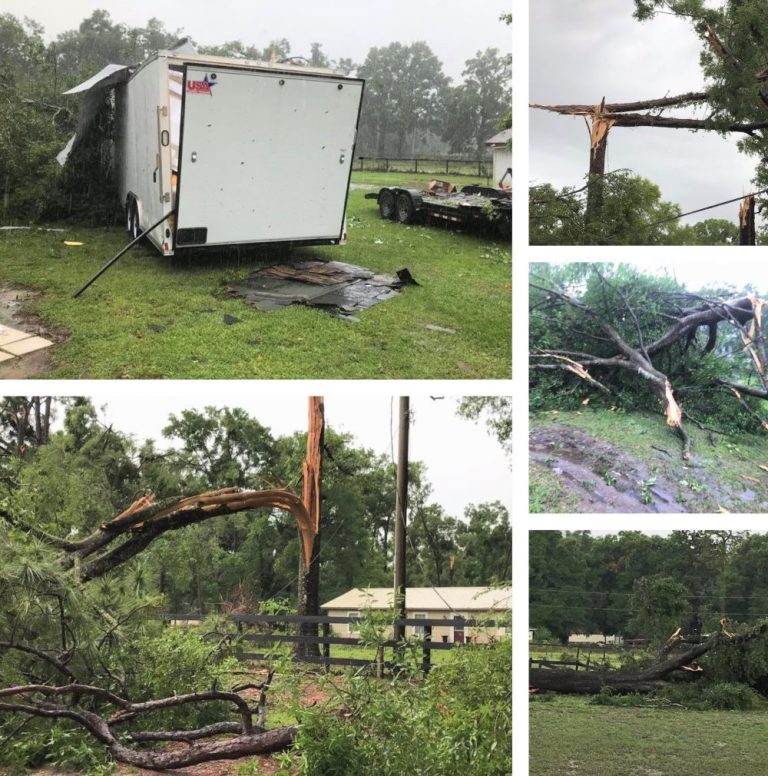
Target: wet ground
581,473
14,312
603,478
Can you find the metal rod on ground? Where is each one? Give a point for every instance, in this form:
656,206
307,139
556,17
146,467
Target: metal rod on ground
401,512
124,250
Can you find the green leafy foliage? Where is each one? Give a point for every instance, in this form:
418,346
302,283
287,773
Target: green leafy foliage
641,308
460,715
733,69
633,214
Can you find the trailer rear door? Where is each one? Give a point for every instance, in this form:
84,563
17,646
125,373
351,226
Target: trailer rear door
265,156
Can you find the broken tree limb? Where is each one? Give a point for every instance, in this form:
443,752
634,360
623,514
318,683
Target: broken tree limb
629,119
639,357
42,700
144,521
666,667
624,107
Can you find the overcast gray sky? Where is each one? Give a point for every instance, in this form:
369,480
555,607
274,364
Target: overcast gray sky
465,465
454,29
583,51
704,273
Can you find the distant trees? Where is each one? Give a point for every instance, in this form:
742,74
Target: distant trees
474,107
645,586
409,101
404,85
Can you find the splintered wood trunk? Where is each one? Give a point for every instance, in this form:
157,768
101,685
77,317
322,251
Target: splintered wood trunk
309,562
747,234
600,126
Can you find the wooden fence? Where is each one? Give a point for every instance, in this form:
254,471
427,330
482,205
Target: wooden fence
480,168
274,630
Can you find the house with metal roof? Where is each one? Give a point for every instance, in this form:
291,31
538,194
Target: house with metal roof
446,603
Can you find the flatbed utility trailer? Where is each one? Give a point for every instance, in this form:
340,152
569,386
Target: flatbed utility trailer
482,206
217,151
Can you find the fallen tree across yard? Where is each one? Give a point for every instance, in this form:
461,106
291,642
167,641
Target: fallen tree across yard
613,334
670,664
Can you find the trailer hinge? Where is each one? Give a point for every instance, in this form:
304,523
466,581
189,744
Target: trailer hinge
164,109
166,197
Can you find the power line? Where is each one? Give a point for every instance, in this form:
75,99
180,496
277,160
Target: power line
701,209
629,592
635,611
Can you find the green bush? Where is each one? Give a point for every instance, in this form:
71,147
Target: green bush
456,720
712,695
730,695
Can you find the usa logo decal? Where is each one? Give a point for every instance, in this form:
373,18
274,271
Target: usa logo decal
201,87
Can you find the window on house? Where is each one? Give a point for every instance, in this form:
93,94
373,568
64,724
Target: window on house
352,625
419,629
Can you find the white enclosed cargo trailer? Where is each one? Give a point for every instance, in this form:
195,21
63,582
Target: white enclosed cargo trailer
237,152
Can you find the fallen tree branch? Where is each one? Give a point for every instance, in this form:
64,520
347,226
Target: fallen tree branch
649,679
145,520
250,739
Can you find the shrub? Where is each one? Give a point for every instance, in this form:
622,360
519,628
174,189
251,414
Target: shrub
456,720
730,695
712,695
179,661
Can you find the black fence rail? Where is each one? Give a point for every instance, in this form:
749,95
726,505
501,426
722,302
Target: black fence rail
290,629
480,168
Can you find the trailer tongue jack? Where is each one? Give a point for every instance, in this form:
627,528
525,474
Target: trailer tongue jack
121,254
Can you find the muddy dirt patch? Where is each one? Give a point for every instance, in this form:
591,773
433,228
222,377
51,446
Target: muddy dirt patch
602,477
15,313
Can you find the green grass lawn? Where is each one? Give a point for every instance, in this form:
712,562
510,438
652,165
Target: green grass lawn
149,317
570,737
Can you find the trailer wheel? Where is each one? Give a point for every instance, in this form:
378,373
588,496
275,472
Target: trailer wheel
132,209
406,210
387,204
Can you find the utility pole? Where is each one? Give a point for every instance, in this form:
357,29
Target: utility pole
401,513
309,563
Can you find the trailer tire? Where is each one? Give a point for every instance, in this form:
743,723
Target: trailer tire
387,204
406,210
132,209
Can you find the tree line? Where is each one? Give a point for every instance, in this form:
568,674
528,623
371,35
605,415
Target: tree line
645,586
410,106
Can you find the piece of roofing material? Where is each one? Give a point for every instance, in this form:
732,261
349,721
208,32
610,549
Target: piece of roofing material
332,285
27,345
94,87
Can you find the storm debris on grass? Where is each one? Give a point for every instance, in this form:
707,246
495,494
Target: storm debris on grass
334,286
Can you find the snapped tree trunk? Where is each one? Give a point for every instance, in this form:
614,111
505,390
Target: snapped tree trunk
309,561
666,667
